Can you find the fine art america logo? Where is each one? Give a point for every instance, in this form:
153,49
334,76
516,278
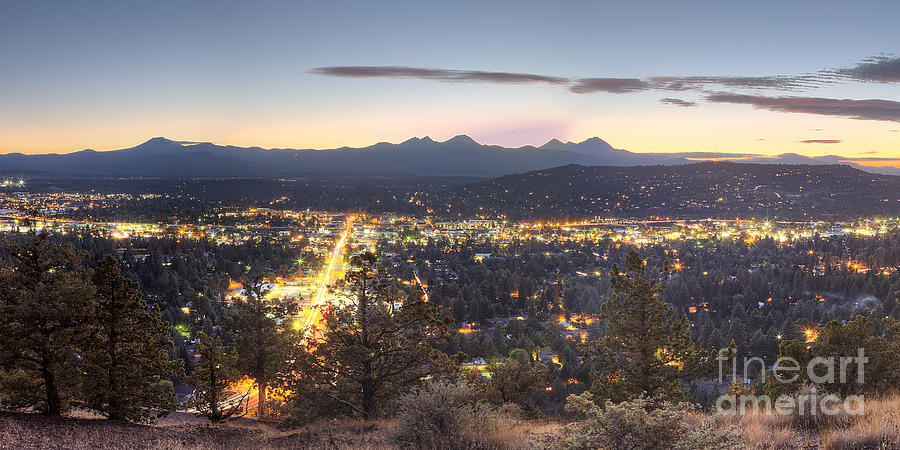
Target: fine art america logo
820,371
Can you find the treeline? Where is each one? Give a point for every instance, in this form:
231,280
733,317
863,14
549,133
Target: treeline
757,294
70,336
77,333
195,200
186,279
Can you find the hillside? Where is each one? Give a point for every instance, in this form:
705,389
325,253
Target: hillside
701,189
711,189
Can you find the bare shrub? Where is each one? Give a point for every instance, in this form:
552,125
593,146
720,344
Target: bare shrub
445,415
815,419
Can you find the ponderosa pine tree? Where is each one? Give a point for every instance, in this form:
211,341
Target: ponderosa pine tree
216,370
880,373
127,364
46,305
263,340
644,350
371,352
514,382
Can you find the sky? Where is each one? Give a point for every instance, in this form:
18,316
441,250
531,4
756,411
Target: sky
813,78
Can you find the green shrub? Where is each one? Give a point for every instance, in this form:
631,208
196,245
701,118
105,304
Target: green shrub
640,424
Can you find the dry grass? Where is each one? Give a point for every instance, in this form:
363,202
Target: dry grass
877,428
525,435
343,434
763,431
183,431
40,432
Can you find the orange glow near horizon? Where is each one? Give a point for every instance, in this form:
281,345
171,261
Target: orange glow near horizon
729,158
877,163
757,133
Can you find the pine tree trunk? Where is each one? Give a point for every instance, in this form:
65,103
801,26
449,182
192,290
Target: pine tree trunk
214,412
261,404
368,402
115,409
54,404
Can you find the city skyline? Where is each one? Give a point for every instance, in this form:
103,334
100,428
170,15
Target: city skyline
769,79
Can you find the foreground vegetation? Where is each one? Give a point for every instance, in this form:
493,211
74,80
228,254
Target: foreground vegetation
879,428
79,337
182,431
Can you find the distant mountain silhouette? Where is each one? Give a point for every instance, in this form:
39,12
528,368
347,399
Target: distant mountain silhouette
458,156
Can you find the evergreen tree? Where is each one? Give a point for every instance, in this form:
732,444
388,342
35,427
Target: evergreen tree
644,351
371,352
262,341
45,309
834,341
216,370
127,363
512,381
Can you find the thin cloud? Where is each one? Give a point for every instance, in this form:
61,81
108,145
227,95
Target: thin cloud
437,74
872,109
677,102
821,141
698,83
776,82
881,69
609,85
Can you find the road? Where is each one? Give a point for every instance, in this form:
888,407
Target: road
419,281
245,391
313,320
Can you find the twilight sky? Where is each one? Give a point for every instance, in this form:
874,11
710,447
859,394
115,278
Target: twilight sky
759,77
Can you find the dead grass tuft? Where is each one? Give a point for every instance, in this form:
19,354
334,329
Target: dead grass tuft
877,428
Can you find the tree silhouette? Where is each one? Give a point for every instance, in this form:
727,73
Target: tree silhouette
216,371
262,341
45,314
644,350
371,351
127,361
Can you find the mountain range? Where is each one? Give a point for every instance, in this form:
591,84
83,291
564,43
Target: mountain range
458,156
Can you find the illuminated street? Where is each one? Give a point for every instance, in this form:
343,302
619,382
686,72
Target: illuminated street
332,272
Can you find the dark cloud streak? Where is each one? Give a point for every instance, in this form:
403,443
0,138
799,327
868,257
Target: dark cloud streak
881,69
677,102
878,69
609,85
821,141
872,109
472,76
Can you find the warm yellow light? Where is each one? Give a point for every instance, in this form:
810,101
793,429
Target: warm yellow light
811,334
